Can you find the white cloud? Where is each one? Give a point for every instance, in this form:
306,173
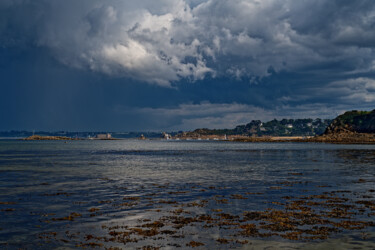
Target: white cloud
356,90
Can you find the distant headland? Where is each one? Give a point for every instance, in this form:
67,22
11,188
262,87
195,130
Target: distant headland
256,130
350,127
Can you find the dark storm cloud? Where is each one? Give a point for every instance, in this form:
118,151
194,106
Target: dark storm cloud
236,59
153,40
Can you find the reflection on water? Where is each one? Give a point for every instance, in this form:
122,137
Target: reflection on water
132,193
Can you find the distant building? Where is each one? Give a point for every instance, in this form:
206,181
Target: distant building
166,136
103,136
289,125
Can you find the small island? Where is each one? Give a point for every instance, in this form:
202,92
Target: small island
48,138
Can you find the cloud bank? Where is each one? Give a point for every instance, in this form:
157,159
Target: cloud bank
189,116
165,41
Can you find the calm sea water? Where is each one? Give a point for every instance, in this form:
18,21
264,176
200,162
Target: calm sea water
56,194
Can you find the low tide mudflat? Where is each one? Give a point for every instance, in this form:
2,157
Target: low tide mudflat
168,194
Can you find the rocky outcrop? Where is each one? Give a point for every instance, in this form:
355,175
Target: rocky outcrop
353,121
350,127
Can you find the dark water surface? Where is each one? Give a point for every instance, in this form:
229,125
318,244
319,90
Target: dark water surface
215,195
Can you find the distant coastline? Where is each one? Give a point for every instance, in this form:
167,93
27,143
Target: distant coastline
352,127
340,138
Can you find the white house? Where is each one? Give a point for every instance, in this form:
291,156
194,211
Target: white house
103,136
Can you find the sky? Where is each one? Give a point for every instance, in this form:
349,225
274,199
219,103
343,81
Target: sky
169,65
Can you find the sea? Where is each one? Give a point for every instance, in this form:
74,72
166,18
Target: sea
167,194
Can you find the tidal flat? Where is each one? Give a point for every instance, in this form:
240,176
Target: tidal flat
132,194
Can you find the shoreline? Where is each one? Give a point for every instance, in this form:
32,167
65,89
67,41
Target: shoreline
340,138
